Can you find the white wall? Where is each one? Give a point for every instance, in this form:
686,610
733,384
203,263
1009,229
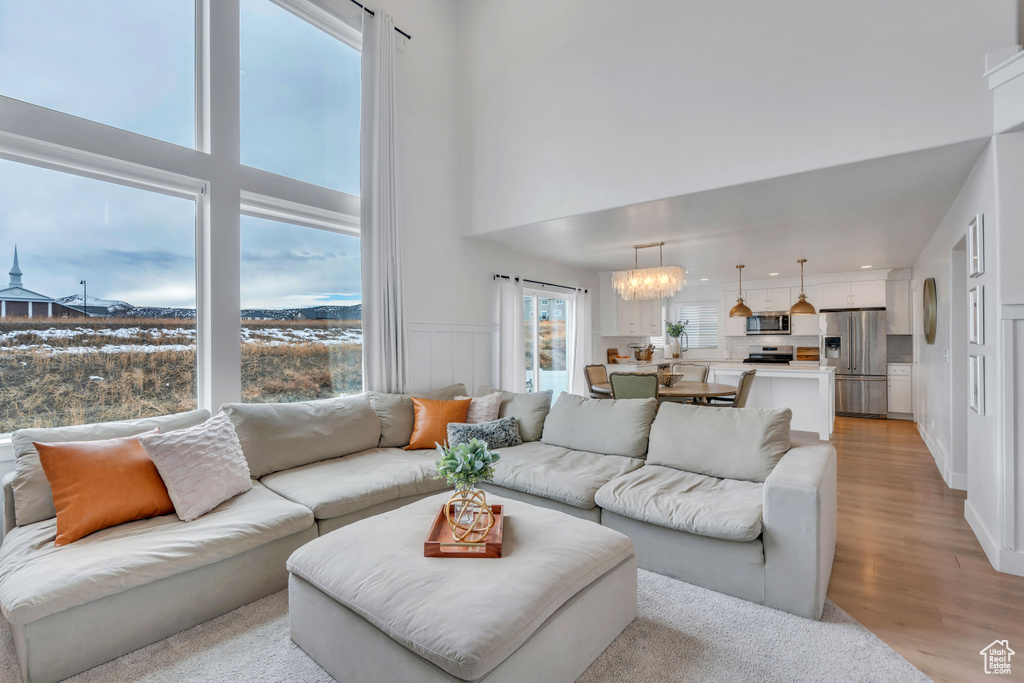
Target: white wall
448,278
583,105
933,382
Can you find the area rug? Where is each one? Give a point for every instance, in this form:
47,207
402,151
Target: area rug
684,633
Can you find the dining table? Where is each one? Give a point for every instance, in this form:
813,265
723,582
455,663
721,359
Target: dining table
680,391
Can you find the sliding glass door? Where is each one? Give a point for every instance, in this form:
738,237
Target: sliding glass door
545,319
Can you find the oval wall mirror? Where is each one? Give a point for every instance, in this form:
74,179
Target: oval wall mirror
930,310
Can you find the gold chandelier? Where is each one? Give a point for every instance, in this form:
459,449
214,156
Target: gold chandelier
803,306
648,283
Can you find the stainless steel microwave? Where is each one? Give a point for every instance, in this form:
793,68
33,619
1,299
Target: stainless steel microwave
768,323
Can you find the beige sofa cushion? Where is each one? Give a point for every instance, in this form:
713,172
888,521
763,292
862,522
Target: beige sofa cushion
684,501
33,499
332,488
570,477
38,579
530,409
396,414
732,443
464,616
609,426
279,436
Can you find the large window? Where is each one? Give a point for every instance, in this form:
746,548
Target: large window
545,342
98,312
702,323
126,64
300,99
301,318
166,242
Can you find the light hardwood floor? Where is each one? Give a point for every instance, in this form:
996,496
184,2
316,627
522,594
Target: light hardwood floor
907,565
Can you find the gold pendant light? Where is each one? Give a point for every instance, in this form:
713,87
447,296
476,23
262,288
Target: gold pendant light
803,306
659,282
740,310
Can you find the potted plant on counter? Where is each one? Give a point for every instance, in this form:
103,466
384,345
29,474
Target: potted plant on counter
675,331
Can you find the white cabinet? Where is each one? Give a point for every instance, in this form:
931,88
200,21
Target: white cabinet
900,388
780,299
863,294
734,327
805,325
769,300
898,315
621,318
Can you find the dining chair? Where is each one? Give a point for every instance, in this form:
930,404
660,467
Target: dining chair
597,374
634,385
691,372
739,400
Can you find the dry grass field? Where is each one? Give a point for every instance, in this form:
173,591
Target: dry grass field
61,372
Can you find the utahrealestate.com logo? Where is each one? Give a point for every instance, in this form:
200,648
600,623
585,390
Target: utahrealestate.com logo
997,657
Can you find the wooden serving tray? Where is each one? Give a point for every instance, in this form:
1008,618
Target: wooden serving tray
441,543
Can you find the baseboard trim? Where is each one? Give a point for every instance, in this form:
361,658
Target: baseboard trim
1002,560
954,480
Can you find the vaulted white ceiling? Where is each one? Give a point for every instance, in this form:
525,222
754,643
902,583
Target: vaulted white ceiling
880,213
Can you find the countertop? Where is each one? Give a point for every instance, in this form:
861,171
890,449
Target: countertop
776,367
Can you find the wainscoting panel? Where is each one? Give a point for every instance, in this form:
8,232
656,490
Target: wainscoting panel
441,354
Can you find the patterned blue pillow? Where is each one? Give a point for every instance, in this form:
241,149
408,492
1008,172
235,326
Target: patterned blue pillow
500,433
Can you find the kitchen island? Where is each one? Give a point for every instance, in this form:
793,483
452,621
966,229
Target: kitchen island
809,391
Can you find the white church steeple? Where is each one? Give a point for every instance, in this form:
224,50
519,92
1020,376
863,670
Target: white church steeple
15,271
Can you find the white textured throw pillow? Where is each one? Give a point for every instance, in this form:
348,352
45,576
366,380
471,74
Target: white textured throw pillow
201,466
483,408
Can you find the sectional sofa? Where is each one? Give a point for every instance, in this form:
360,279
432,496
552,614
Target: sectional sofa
320,465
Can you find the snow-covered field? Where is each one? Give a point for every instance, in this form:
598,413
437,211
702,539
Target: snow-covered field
79,340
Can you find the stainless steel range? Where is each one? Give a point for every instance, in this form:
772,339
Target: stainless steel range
770,354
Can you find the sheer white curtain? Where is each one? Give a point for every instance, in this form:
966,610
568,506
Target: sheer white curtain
385,336
511,336
578,342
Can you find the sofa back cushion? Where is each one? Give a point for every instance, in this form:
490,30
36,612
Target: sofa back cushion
280,436
396,414
530,410
728,443
600,425
33,498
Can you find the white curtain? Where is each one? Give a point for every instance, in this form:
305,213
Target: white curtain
511,336
385,336
578,342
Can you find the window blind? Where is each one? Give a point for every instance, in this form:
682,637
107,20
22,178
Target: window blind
702,329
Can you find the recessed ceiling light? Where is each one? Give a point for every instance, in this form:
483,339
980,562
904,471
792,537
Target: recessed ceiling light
703,279
865,267
772,274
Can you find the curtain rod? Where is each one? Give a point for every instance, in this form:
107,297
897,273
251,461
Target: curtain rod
373,14
538,282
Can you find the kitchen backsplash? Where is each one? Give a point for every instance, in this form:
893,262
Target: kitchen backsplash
739,347
899,348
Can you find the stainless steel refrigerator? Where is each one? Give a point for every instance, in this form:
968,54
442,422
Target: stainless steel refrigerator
854,342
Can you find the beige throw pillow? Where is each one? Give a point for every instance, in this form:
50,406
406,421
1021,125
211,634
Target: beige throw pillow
483,408
529,409
201,466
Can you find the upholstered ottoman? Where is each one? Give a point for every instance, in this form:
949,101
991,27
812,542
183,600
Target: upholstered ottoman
367,606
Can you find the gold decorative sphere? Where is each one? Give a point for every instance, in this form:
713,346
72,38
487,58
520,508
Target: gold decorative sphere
469,517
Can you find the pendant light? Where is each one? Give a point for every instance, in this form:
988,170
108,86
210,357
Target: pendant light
740,310
648,283
803,306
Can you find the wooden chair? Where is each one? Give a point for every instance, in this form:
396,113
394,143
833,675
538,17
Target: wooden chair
691,372
742,392
597,374
634,385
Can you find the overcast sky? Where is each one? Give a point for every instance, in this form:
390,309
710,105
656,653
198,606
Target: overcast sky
131,65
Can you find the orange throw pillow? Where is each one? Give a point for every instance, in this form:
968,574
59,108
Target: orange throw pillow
100,484
430,425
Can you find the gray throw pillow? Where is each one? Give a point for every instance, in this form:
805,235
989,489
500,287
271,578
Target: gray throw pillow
728,443
529,409
201,466
500,433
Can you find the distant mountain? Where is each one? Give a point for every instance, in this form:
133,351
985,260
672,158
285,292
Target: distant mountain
122,309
